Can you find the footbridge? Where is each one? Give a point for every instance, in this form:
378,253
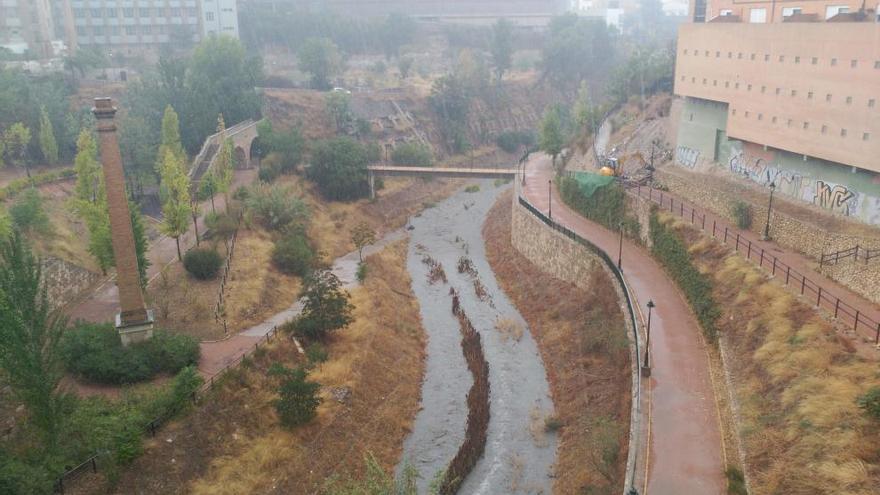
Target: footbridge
450,172
242,136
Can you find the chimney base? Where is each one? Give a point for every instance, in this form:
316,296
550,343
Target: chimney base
134,332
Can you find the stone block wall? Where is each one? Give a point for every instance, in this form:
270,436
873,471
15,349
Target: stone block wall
550,250
65,281
797,235
642,209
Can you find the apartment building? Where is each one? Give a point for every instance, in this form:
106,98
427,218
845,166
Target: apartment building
27,27
142,26
126,27
786,93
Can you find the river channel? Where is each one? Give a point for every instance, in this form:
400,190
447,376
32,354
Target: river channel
519,453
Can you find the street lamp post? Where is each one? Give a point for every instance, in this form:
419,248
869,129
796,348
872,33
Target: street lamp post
769,209
620,247
646,368
550,198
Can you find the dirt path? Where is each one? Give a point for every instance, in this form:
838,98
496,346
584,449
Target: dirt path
102,304
686,454
802,265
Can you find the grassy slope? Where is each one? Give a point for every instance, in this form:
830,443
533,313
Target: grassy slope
795,379
233,444
585,353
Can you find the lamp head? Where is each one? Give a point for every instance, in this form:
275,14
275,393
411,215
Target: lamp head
651,303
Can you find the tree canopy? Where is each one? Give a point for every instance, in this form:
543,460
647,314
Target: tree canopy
339,168
320,57
574,48
502,47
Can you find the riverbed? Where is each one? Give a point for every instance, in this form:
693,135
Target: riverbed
519,453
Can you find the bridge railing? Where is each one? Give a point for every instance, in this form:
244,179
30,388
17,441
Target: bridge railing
214,139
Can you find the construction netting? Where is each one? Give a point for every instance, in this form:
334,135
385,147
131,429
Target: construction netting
589,183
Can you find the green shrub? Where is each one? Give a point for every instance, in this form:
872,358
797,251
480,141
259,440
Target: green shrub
870,402
326,306
510,141
221,225
607,205
28,214
277,207
202,263
316,353
270,169
362,272
298,402
742,213
473,188
673,254
412,154
95,352
736,482
339,168
292,254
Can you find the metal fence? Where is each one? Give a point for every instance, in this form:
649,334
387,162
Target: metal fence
631,312
220,307
812,291
853,252
154,425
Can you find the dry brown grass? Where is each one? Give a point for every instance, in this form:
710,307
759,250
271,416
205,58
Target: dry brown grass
796,381
584,383
380,358
509,329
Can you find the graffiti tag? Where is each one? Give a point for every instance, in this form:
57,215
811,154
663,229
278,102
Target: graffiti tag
687,157
832,197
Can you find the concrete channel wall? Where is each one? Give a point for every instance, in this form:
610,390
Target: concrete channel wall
571,258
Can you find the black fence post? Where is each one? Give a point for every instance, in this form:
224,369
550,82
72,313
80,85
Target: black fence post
736,245
787,274
713,228
856,323
836,307
819,298
877,338
803,283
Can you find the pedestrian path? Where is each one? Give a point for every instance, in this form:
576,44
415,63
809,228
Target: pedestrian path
685,449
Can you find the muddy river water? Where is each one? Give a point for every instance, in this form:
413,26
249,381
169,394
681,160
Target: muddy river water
519,453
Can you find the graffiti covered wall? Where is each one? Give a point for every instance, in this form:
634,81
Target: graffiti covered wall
702,144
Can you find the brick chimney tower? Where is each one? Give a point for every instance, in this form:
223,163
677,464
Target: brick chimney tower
134,322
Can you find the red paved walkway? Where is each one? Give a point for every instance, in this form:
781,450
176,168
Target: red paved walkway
869,313
685,443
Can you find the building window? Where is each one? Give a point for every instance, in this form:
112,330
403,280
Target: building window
706,53
866,136
763,89
788,123
685,51
114,30
747,114
760,116
877,64
209,16
715,82
693,79
736,86
854,64
871,103
144,12
682,78
95,13
773,119
739,56
729,54
81,30
758,16
692,117
111,13
98,30
797,59
806,125
778,91
814,61
766,57
192,12
717,54
726,84
833,10
146,29
724,12
828,97
790,11
824,129
793,93
733,112
175,12
704,81
849,100
749,87
128,12
833,62
129,30
782,58
79,13
843,133
810,95
752,57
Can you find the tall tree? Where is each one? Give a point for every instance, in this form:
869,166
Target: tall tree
17,138
30,332
48,144
170,136
551,139
338,105
223,165
574,49
450,101
502,47
320,57
90,200
174,192
585,113
339,168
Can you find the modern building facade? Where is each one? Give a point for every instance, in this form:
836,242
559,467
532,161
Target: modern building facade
785,93
126,27
27,27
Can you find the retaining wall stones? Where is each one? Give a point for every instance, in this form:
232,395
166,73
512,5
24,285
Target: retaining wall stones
65,281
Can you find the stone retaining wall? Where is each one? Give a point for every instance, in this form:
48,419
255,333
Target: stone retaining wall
550,250
65,281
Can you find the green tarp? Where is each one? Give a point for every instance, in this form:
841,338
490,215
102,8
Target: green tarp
590,183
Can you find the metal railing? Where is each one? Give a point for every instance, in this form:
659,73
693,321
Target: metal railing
637,383
220,307
853,252
811,290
